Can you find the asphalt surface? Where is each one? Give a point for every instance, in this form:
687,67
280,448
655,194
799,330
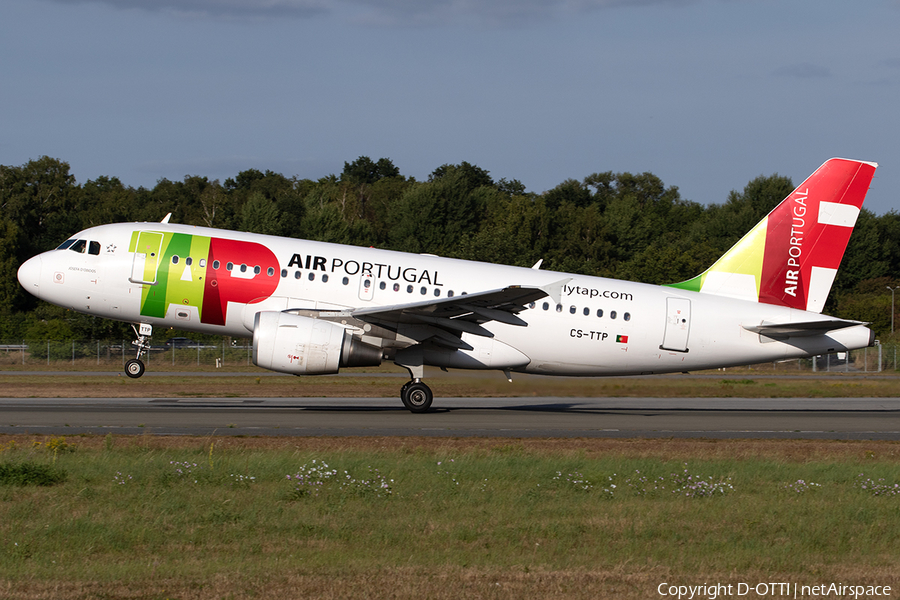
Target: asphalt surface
797,418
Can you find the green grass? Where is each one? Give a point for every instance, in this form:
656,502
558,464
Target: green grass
139,514
29,473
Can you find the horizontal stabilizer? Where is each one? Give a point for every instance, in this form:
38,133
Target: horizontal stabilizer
794,330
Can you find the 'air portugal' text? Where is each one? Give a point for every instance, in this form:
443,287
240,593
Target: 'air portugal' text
795,248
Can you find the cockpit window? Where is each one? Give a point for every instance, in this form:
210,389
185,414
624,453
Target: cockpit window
94,248
66,244
78,246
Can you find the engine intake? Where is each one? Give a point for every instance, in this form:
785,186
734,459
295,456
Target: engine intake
301,345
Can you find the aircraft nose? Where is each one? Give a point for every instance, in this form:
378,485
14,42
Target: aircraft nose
30,275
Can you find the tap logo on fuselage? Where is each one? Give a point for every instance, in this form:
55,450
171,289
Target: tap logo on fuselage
205,273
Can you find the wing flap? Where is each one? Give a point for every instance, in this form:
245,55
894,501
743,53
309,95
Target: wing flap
447,318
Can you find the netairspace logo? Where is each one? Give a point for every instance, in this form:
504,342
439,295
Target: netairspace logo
774,590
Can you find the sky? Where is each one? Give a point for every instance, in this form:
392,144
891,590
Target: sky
705,94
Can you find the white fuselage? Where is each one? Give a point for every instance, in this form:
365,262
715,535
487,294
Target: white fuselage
596,326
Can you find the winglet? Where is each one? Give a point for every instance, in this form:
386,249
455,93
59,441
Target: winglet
554,290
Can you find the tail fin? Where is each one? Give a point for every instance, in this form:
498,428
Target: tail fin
791,257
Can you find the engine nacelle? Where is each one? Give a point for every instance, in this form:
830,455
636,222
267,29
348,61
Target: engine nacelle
300,345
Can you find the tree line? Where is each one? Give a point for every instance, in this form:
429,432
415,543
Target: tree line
619,225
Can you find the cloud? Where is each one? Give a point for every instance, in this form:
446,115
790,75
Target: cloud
404,12
803,71
491,12
223,8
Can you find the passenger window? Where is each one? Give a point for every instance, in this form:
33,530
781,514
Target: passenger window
627,316
612,314
559,308
572,310
229,266
437,292
324,278
243,268
189,261
312,276
270,271
94,248
175,259
396,287
345,280
450,294
216,265
600,312
587,311
297,274
256,270
409,289
283,273
382,285
545,306
202,263
423,291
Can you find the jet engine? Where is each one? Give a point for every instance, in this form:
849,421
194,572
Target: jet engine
304,346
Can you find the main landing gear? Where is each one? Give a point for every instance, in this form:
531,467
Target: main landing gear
416,396
134,368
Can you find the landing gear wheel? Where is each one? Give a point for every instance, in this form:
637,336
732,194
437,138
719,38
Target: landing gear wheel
417,397
134,368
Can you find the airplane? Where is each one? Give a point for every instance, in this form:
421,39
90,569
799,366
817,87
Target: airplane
314,307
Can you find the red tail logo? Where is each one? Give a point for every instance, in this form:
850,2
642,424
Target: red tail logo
807,233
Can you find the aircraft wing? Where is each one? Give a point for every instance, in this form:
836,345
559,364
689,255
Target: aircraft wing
444,320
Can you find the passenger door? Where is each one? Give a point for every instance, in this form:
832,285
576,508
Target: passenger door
678,325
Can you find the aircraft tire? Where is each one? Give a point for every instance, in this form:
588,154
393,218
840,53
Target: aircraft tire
134,368
417,397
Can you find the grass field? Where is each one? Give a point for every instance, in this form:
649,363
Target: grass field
160,517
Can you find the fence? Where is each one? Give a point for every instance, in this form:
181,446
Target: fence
94,354
113,354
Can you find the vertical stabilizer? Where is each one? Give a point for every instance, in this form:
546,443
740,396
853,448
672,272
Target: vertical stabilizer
791,257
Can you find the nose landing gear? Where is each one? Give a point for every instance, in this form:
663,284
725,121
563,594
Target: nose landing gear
134,368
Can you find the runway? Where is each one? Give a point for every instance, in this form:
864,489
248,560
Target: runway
796,418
